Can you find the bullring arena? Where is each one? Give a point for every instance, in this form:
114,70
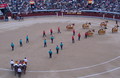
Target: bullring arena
95,57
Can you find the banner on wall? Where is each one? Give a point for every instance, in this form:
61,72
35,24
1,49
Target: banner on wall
2,6
77,13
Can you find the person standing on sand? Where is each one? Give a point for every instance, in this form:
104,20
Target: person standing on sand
44,34
19,72
57,49
50,53
59,30
20,43
73,40
12,64
51,32
52,38
45,43
27,39
25,60
73,32
61,45
12,46
79,35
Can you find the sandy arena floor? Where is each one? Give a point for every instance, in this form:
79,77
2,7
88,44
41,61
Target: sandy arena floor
94,57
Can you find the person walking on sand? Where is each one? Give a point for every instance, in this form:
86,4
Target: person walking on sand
45,43
79,35
73,32
25,60
21,44
50,53
44,34
51,32
19,72
57,49
52,38
12,64
27,39
12,46
59,30
73,40
61,45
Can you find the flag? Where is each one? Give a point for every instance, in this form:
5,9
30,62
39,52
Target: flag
32,2
90,1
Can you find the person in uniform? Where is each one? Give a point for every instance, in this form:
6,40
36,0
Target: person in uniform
73,40
45,43
52,38
25,60
12,46
44,34
19,72
50,53
21,44
79,35
51,32
12,64
59,30
57,49
27,39
61,45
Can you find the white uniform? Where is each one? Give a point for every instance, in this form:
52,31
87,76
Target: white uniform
24,64
19,70
11,62
25,60
15,64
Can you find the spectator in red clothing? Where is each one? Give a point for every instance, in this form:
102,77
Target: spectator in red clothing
73,40
79,35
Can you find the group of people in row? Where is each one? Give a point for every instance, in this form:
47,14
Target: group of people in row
19,66
20,42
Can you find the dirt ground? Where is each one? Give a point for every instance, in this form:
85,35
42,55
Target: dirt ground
95,57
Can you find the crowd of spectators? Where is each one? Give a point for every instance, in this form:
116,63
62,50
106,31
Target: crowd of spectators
74,5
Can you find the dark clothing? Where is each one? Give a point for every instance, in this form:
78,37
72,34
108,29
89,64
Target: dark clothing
12,45
61,45
73,41
86,35
27,39
50,54
45,44
79,37
12,48
44,35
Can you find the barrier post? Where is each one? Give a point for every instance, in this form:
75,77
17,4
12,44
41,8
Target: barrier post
103,16
57,14
113,16
62,14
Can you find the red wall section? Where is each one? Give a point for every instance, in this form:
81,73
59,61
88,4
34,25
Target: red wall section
96,14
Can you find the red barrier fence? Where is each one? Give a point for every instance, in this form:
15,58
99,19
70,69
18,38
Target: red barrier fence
96,14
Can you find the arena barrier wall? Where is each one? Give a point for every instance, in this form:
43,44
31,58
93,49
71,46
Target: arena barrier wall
102,14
